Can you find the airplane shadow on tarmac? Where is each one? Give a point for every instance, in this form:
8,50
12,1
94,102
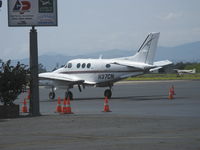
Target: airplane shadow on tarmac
144,98
129,98
132,98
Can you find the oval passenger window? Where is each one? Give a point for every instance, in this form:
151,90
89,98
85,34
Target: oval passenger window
83,65
88,65
78,65
107,65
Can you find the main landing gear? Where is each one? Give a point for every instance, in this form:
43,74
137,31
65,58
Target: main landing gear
67,94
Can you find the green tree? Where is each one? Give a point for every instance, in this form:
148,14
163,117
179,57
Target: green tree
13,81
56,67
41,68
193,66
179,65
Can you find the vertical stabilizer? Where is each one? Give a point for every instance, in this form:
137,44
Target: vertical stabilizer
147,50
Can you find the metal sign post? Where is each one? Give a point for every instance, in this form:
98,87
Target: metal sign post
34,89
24,13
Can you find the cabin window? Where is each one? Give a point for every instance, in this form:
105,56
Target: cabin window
78,65
83,65
69,65
88,65
108,65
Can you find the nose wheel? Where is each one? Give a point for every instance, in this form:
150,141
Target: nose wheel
108,93
52,95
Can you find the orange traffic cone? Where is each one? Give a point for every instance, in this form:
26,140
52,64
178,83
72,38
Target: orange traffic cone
66,107
58,107
29,95
173,91
106,106
171,94
24,107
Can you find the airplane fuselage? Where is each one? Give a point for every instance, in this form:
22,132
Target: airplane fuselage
97,71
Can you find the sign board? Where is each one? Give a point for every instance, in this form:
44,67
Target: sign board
32,12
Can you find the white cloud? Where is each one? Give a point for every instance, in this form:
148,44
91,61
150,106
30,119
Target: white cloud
170,16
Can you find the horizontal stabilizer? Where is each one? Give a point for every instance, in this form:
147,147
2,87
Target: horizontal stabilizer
154,69
162,63
132,64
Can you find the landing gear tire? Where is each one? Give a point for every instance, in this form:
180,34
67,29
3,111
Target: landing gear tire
52,95
69,94
108,93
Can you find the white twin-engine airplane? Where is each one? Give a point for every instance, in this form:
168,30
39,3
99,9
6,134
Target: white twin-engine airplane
104,72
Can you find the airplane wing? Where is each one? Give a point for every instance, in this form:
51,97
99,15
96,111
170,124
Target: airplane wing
61,77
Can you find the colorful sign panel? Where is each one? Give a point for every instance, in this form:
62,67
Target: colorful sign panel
32,12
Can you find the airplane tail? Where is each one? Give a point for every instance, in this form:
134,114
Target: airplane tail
147,50
194,70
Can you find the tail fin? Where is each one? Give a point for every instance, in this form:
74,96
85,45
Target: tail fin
194,70
146,52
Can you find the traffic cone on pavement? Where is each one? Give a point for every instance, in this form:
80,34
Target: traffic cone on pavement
173,91
171,94
106,106
58,107
66,107
29,95
24,107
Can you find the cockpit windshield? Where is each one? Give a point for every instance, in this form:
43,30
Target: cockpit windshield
68,65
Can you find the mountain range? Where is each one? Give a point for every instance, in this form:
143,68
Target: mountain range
189,52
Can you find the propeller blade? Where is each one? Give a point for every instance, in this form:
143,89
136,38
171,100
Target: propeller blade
79,87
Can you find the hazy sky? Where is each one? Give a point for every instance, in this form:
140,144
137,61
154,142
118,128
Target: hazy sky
86,26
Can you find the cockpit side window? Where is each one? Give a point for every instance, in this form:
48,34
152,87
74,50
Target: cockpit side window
69,65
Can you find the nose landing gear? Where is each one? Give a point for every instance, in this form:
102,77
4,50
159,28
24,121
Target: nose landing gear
108,93
69,94
52,95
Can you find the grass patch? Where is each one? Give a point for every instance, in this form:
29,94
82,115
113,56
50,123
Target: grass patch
165,77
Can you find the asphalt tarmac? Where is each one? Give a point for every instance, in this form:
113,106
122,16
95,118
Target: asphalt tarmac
142,117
